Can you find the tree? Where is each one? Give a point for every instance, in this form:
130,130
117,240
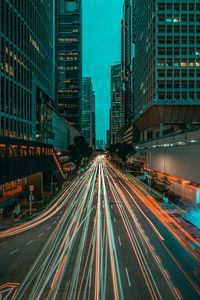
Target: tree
74,153
165,184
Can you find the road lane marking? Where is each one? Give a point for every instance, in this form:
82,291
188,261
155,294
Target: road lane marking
119,241
29,242
49,228
114,220
54,222
14,251
128,278
40,234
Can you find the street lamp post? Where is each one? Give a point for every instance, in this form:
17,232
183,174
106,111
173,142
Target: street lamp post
31,188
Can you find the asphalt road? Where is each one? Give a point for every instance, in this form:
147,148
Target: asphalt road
100,240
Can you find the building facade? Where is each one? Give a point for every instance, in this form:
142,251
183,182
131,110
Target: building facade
167,66
69,60
117,104
127,59
87,111
27,67
93,122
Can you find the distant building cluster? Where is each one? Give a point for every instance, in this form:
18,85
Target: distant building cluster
100,145
88,112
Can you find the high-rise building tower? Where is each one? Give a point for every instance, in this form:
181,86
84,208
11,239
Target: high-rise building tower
69,60
93,122
86,110
127,59
117,108
27,68
167,66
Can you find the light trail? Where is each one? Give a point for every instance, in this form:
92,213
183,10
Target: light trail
83,255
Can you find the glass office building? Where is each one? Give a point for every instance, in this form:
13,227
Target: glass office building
167,66
69,60
117,107
127,59
87,110
27,67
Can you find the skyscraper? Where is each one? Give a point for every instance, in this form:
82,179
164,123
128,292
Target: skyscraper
167,66
69,60
86,110
93,122
117,108
127,59
27,67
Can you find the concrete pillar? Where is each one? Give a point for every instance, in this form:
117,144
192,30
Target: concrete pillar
141,136
145,134
161,129
184,182
154,132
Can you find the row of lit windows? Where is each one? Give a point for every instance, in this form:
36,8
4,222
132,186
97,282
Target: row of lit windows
68,40
68,91
180,64
68,68
35,45
68,58
15,128
16,58
67,53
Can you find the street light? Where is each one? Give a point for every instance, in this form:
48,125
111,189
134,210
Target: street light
31,189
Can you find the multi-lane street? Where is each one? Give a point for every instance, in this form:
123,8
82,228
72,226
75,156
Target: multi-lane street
99,240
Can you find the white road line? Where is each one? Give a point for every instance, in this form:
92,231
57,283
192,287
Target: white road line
114,220
29,242
14,251
119,241
40,234
129,283
54,222
49,228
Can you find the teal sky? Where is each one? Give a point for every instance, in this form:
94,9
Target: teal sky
101,49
